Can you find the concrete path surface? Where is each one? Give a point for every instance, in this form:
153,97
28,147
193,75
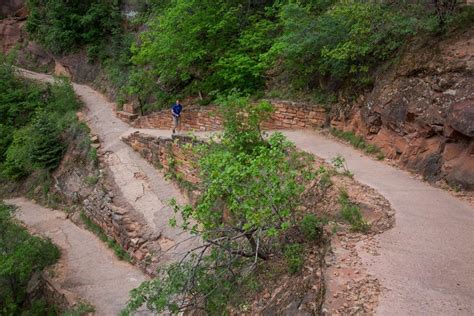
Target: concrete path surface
143,187
92,270
426,261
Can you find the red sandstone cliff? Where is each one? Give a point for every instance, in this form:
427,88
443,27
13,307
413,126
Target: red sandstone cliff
421,112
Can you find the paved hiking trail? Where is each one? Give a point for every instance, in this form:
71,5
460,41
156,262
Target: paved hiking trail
143,187
426,261
91,270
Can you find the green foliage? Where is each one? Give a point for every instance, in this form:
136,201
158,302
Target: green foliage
209,277
35,122
111,243
358,142
294,257
208,46
350,212
91,180
17,162
250,187
80,310
312,227
22,256
64,26
46,148
339,42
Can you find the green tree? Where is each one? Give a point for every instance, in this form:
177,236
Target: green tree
66,25
47,147
250,189
341,42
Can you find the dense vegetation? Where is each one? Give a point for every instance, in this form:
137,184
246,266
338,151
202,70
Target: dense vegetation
21,256
206,48
63,26
36,123
250,188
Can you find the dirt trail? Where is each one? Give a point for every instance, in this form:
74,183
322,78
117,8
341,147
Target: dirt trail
426,261
143,187
89,268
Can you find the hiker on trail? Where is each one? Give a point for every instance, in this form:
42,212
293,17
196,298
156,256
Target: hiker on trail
176,112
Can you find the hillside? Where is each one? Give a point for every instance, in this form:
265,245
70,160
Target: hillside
285,189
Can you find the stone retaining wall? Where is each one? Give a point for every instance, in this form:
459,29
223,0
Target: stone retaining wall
125,227
174,155
287,115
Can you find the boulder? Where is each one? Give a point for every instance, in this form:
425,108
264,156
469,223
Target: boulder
461,117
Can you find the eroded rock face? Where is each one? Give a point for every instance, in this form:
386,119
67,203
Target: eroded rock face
11,7
421,113
11,33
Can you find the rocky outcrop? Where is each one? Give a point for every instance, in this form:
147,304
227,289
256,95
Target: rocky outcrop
421,113
10,8
11,33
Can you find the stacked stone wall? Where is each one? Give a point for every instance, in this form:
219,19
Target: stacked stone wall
174,155
287,115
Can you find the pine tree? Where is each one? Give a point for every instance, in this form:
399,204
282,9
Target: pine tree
47,147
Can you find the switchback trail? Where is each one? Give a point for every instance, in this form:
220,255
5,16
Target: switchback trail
89,268
426,261
142,186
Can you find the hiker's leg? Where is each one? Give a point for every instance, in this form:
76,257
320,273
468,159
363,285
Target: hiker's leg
175,123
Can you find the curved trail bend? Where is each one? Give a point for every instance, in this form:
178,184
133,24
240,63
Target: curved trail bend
426,261
143,187
91,270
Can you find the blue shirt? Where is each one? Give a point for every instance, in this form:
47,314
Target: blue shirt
177,108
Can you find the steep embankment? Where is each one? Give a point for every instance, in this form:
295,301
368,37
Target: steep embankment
87,267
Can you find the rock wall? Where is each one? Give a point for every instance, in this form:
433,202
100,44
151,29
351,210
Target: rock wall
421,112
101,203
287,115
174,155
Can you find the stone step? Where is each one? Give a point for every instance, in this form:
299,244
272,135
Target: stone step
126,116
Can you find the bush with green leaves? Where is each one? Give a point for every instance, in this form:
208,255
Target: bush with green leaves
351,213
207,46
344,42
64,26
46,144
22,256
294,256
251,187
312,227
36,122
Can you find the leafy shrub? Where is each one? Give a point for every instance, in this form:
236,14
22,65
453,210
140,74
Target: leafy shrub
312,227
250,189
22,256
17,162
36,120
351,213
294,257
206,46
63,26
341,43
